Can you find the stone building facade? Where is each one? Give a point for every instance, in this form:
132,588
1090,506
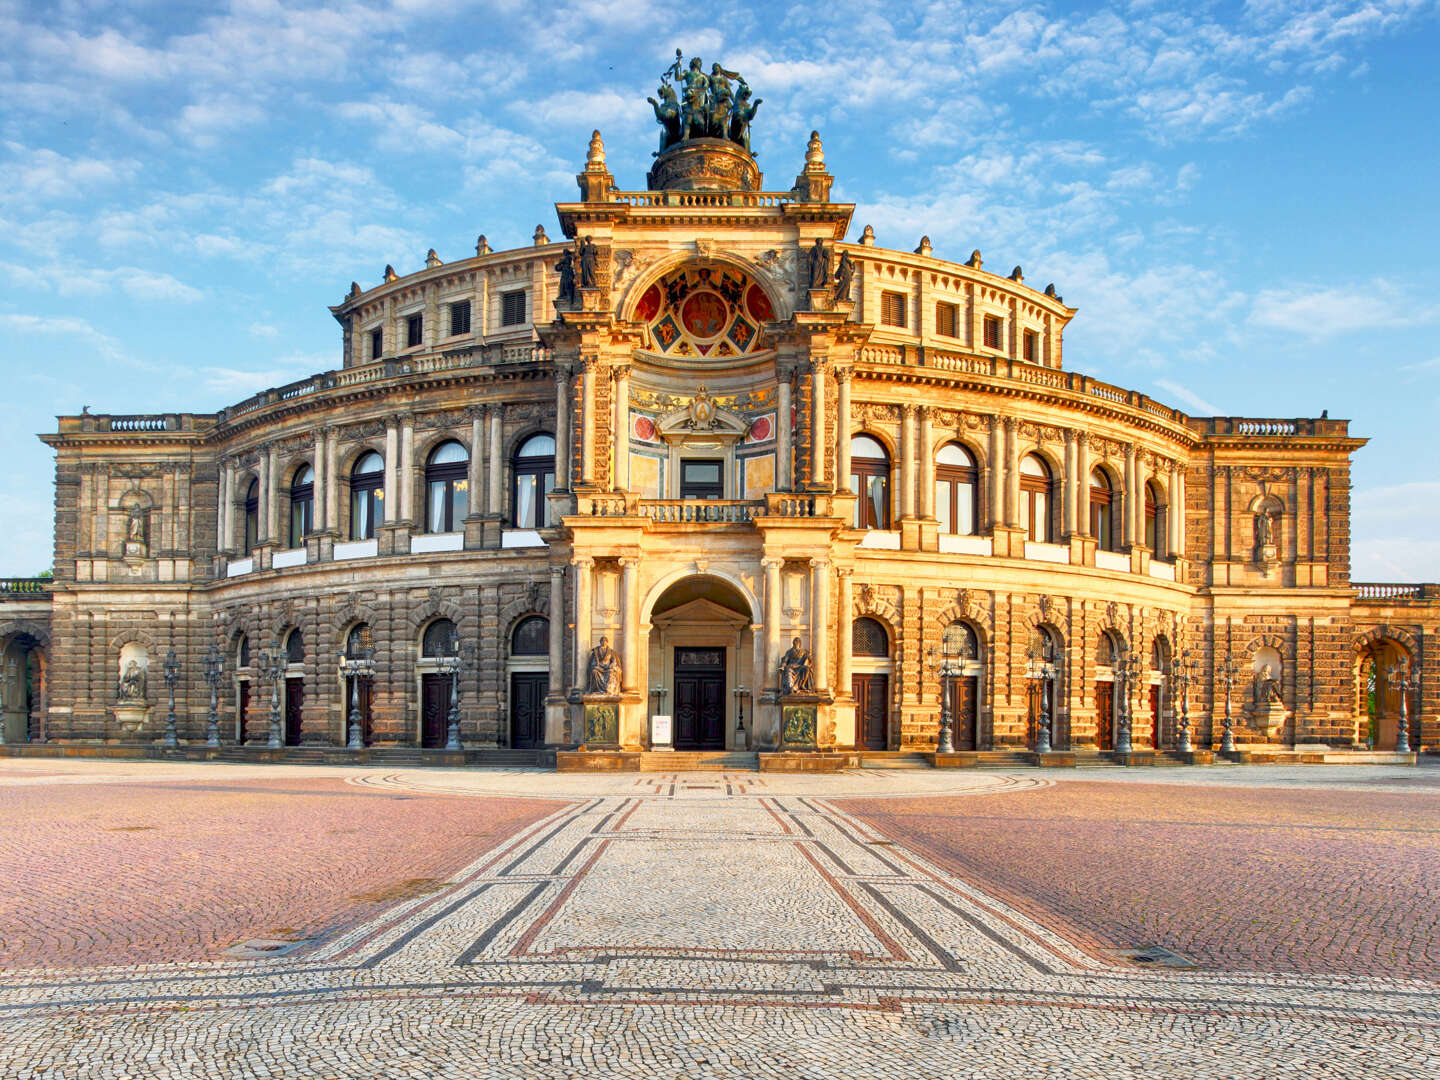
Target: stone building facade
712,433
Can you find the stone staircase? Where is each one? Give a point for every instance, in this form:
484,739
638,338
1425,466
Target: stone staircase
698,761
1004,759
893,759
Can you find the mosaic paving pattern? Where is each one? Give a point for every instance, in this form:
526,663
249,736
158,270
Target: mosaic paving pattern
705,926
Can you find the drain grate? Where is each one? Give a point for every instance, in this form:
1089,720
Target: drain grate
264,948
1153,956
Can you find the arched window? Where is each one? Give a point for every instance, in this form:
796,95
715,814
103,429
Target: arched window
870,479
959,642
1102,510
358,642
295,647
534,469
302,505
252,515
1107,651
439,639
1155,521
367,495
956,489
242,652
531,637
447,491
868,638
1035,500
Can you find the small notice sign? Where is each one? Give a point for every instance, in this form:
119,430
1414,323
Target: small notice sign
661,732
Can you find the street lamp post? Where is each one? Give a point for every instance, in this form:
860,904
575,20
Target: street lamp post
356,668
1129,672
1183,672
213,668
171,670
741,693
946,743
1042,655
453,663
1229,670
272,667
1402,683
4,695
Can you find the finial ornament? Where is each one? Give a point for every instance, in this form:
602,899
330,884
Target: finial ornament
354,290
432,260
814,152
975,259
595,158
540,237
868,236
390,274
924,248
1017,275
482,245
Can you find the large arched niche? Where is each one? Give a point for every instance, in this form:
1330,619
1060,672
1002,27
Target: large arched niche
703,309
705,587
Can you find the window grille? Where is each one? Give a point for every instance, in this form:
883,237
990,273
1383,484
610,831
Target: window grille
868,638
947,320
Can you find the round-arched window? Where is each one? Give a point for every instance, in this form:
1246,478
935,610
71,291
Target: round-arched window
358,642
295,647
531,637
439,639
956,490
1156,520
959,642
367,495
447,490
252,515
242,652
1102,510
534,471
1035,500
302,505
870,479
868,638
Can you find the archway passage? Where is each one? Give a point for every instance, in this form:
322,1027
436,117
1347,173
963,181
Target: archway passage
22,706
1377,706
700,644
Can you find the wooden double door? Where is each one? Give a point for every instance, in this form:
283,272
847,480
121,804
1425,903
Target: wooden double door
528,691
294,710
1104,716
699,698
964,694
434,711
872,709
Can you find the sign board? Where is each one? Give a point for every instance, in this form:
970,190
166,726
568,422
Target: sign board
661,732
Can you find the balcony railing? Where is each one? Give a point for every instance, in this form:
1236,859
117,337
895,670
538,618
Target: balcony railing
710,511
23,588
1394,590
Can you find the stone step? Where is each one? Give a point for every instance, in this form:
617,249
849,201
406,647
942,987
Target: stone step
697,761
893,759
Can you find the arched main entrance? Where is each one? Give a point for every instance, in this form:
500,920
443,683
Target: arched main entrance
1377,705
701,662
24,684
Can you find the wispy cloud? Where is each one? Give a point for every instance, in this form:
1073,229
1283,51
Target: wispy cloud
1330,311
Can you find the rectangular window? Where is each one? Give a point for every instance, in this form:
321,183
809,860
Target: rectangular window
1032,347
459,318
702,480
992,332
414,330
512,308
947,320
377,343
892,309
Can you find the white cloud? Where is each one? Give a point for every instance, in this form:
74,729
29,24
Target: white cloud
204,122
61,326
42,175
1196,404
1330,311
81,280
1395,532
398,127
263,330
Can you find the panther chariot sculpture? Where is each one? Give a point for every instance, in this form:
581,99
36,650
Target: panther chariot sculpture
694,105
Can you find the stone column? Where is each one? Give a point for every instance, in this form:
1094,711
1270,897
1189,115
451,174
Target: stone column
817,433
620,442
844,428
473,473
997,473
773,610
557,630
407,469
629,625
907,462
1072,486
1177,511
1128,525
1082,472
1012,473
583,570
1141,475
269,527
784,464
562,426
843,641
225,536
927,462
388,513
496,458
820,621
323,482
587,421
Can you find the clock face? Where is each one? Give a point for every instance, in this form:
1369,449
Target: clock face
705,311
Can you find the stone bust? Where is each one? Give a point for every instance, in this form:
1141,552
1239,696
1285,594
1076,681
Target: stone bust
603,673
797,673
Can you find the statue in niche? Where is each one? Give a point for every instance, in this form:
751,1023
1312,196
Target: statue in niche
797,672
566,268
1265,522
818,261
589,262
1267,688
135,527
132,684
844,276
603,674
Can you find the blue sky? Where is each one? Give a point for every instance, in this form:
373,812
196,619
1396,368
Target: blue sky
1239,197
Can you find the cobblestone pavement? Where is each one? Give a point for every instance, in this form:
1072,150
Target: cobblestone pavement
716,925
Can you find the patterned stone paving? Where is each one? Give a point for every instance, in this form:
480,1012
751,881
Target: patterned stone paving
706,926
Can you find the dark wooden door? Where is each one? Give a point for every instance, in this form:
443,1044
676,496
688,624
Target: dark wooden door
872,709
294,710
434,710
528,690
964,712
1104,716
244,713
1155,716
699,699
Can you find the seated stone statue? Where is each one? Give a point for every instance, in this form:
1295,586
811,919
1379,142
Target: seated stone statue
603,674
1267,688
132,683
797,674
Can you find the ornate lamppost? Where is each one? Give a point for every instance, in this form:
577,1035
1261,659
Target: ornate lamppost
452,664
356,668
741,693
213,668
1229,671
1184,670
942,659
171,671
1129,671
272,668
1042,657
1403,683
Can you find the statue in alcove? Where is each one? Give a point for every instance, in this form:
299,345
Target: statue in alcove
797,671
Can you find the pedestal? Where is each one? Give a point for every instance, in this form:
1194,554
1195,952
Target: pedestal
131,719
800,721
601,726
1268,719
